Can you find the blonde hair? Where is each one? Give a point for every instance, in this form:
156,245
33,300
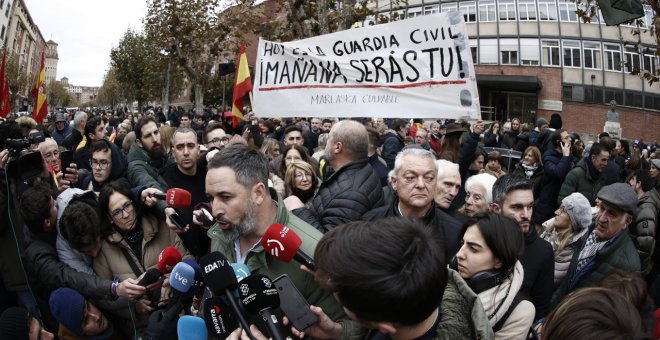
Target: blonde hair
289,177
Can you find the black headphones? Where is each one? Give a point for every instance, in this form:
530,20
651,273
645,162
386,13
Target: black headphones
484,279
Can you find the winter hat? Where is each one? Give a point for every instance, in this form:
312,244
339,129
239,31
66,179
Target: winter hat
14,324
541,121
555,121
67,306
656,163
620,195
578,209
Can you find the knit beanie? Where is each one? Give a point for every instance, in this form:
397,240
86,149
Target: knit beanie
578,209
541,121
67,306
14,324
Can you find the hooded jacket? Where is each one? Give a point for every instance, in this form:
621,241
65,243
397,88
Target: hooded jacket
73,258
118,170
580,180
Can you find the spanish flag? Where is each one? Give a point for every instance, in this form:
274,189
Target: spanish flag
5,102
242,86
39,91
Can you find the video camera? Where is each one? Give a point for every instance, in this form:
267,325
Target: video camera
16,145
27,165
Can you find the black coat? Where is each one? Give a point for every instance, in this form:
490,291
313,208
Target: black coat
555,169
392,145
538,261
344,196
447,227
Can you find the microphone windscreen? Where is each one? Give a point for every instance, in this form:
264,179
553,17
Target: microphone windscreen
182,277
281,242
217,273
191,328
152,275
220,321
178,198
257,292
241,271
167,259
199,280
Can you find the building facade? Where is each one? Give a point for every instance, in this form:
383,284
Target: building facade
24,40
5,11
534,58
51,61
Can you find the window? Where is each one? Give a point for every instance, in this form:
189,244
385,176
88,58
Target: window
430,9
567,11
633,99
650,60
550,52
529,52
567,92
648,16
7,11
613,94
449,6
592,56
612,57
414,12
631,55
488,51
2,34
547,10
509,51
507,10
474,50
527,9
469,11
571,53
487,10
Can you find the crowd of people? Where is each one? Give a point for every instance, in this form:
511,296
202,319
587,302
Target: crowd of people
415,229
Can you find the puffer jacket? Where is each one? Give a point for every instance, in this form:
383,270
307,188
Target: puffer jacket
579,180
462,315
562,258
643,231
344,196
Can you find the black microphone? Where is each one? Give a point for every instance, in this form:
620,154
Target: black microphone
259,296
220,278
152,275
220,322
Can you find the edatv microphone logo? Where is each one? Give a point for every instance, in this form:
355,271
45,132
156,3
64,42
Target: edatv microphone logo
213,266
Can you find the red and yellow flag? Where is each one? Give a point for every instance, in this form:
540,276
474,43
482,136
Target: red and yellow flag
5,102
242,86
39,91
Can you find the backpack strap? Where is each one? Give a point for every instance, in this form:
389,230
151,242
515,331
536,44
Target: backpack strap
130,261
516,300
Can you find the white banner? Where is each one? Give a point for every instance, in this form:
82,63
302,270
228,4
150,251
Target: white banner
414,68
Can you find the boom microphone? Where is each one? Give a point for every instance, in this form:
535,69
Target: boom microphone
167,259
284,244
176,198
191,328
259,296
220,322
220,278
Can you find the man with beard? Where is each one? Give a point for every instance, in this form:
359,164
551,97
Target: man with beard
244,208
146,158
189,174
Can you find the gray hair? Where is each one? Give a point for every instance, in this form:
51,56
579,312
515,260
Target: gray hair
435,125
507,184
323,140
353,137
445,167
79,117
485,181
415,152
249,165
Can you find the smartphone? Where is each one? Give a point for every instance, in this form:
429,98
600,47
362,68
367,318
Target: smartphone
205,219
293,304
177,221
66,158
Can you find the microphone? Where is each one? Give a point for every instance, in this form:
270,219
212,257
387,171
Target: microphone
284,244
191,328
259,296
167,259
176,198
220,278
220,322
198,281
152,275
181,279
240,270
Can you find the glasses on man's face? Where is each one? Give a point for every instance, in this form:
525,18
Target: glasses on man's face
102,164
219,141
125,208
52,154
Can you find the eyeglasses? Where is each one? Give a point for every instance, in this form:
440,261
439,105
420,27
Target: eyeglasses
102,164
219,141
126,208
52,154
303,175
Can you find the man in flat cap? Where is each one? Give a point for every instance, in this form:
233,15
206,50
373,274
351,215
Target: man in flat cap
607,246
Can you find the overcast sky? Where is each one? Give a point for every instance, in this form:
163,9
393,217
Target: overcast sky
85,31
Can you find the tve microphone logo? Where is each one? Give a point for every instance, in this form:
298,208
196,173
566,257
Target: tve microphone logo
183,280
275,251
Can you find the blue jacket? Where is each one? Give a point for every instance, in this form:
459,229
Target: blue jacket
555,169
60,136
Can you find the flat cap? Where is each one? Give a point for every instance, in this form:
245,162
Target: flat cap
620,195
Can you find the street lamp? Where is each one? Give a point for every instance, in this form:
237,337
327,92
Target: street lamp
166,90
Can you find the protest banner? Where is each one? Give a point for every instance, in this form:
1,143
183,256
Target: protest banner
414,68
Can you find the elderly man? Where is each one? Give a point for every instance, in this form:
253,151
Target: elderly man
77,133
415,186
51,154
447,188
422,139
607,245
352,189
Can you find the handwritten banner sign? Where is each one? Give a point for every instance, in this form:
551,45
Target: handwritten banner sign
415,68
